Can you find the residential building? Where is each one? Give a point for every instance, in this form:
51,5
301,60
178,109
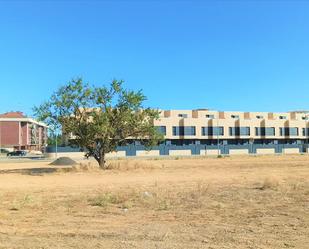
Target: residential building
213,128
206,126
209,132
20,132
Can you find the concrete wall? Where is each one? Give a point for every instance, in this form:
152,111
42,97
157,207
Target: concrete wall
148,153
78,155
116,154
187,150
265,151
180,153
239,152
213,152
290,151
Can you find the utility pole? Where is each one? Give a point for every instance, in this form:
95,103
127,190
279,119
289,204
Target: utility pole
307,138
218,145
56,144
306,133
0,137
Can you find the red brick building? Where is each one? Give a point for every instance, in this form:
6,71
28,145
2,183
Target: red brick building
20,132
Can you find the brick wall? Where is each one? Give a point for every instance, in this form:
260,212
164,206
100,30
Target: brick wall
9,133
24,134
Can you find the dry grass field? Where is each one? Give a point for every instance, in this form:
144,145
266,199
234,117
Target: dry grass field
233,202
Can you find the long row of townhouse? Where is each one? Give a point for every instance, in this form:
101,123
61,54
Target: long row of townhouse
208,132
207,126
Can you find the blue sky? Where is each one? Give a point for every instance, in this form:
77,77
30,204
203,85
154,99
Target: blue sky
250,56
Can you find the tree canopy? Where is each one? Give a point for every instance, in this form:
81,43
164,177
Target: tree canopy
99,119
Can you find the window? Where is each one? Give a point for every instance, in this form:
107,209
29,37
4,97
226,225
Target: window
239,131
183,130
282,117
270,131
245,131
189,130
259,131
264,131
235,116
177,131
305,132
259,117
161,129
210,116
212,131
183,115
304,118
293,131
285,131
232,131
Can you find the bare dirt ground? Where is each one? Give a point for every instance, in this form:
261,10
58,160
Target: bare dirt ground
234,202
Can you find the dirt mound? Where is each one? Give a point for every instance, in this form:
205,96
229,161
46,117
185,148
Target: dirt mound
63,161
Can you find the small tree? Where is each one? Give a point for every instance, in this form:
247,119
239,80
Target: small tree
100,118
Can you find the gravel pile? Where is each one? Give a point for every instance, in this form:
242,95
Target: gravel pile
63,161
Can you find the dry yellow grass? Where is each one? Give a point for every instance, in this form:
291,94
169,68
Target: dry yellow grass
234,202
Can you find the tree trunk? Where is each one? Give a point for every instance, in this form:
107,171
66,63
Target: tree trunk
99,156
102,162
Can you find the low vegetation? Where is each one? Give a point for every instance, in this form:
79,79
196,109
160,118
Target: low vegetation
235,202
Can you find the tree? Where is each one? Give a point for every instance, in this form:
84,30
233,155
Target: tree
54,139
98,119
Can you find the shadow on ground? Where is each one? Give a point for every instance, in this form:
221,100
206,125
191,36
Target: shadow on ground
30,171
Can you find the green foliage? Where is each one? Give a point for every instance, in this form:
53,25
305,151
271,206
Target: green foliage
100,118
52,140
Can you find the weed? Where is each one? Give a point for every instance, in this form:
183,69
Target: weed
295,185
19,204
104,200
127,205
162,205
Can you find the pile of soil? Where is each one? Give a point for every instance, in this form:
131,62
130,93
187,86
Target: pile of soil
63,161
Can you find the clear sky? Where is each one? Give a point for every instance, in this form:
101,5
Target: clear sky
241,55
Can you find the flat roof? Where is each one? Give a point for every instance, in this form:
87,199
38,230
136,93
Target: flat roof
28,120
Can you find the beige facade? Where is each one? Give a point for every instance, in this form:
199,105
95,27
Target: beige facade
212,133
289,125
